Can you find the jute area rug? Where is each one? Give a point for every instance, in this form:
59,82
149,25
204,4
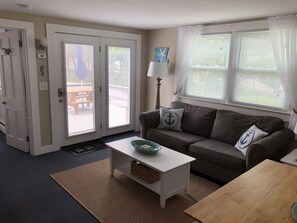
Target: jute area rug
120,199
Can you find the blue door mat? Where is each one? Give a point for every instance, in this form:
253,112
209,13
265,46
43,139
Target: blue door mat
85,147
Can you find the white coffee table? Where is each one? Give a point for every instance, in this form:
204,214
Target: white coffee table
291,158
173,166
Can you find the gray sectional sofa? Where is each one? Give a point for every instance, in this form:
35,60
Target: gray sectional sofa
209,135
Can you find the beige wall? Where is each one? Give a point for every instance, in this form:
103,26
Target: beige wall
40,30
161,38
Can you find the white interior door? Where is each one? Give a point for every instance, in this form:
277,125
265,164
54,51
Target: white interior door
2,109
13,91
77,97
118,78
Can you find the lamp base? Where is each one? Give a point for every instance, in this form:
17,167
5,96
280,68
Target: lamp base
158,93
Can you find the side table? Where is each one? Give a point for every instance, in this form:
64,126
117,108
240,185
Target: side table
291,158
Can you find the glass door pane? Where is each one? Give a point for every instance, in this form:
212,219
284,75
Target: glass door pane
118,86
79,64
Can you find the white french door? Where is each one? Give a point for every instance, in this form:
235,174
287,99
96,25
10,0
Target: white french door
93,88
118,69
76,113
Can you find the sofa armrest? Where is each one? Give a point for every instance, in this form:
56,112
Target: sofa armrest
150,119
268,146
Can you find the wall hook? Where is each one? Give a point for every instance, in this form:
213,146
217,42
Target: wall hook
6,51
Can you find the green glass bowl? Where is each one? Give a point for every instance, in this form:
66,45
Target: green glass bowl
146,146
294,210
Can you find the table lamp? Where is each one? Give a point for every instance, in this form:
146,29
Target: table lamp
158,70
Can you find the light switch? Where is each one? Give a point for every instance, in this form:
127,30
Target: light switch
43,86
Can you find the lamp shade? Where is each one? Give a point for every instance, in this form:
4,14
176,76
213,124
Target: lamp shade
157,69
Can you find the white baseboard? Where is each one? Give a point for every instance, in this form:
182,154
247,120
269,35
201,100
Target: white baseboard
47,149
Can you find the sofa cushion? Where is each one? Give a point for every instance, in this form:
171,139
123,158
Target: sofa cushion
229,126
178,141
171,118
196,119
219,153
269,124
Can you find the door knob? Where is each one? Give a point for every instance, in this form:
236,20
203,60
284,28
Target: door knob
3,102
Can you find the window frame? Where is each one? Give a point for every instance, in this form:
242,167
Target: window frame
228,93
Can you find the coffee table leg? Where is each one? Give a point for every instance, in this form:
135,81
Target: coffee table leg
162,201
173,181
111,163
163,190
188,178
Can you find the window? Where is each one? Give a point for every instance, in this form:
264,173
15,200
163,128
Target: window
236,68
210,66
256,79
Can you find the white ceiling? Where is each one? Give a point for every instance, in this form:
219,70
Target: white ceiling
154,14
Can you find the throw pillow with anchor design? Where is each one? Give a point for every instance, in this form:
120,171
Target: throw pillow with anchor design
171,118
251,135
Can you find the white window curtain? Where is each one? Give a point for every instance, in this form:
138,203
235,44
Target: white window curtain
283,31
187,43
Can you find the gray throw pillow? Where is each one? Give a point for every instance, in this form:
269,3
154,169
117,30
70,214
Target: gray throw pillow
171,118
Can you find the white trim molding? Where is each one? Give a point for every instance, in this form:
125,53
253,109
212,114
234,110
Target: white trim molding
232,27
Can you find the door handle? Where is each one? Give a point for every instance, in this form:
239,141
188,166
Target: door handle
60,92
3,102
